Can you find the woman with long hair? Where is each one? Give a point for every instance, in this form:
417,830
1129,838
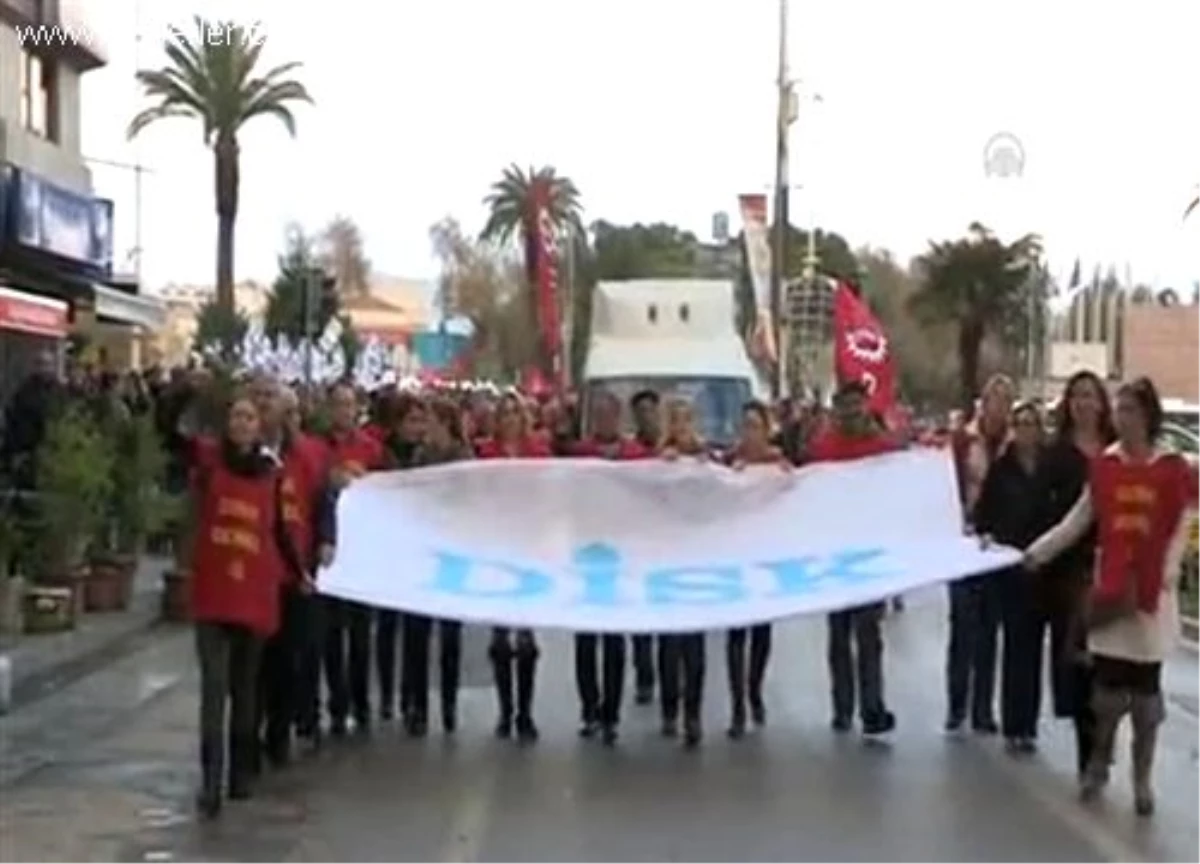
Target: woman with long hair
513,656
406,415
240,553
1083,429
746,675
1010,509
1137,496
681,656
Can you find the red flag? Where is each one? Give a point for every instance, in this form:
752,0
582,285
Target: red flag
861,349
546,281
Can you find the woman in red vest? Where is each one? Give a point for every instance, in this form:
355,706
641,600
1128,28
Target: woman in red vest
514,662
1137,497
681,655
753,448
239,558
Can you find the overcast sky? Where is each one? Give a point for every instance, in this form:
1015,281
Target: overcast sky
663,110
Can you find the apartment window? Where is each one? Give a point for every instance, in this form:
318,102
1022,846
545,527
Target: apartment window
39,95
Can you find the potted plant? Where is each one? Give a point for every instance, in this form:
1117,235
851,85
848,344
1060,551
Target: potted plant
136,509
73,485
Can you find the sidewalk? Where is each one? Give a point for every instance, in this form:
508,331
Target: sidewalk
42,663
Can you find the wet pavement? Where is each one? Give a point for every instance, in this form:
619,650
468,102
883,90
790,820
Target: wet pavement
105,770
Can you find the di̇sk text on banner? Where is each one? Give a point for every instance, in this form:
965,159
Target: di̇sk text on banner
649,546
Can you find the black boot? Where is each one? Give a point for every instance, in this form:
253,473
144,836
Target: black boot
526,675
208,800
241,768
502,673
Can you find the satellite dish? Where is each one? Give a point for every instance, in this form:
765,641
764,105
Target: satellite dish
1168,297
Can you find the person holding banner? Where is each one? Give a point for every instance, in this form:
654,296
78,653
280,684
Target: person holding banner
1137,496
442,443
682,655
647,431
512,440
754,447
405,420
858,667
600,702
353,453
240,552
291,664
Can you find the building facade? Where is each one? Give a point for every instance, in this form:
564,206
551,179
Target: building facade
55,234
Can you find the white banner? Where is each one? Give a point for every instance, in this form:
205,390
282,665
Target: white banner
650,546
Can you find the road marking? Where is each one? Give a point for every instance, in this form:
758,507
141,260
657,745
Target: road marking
471,813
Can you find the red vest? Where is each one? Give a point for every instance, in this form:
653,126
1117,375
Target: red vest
1138,510
304,469
832,446
356,452
622,449
236,568
529,447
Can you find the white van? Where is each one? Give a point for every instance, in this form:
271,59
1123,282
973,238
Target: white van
676,337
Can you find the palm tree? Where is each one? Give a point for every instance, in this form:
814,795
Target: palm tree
512,214
981,285
1192,206
216,81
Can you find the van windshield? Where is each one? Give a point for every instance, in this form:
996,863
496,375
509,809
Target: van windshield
716,402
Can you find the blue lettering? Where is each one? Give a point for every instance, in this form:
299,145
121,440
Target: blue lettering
803,575
599,566
454,574
695,586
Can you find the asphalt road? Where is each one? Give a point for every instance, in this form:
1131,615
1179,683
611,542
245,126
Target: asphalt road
105,770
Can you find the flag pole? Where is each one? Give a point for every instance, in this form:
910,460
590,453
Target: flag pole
779,253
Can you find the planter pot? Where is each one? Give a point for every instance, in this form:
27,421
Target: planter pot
109,583
49,609
12,594
177,596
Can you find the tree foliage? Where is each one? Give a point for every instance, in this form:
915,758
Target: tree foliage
343,256
982,286
219,81
653,251
220,326
483,283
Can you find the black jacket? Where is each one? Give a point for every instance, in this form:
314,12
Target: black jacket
1012,506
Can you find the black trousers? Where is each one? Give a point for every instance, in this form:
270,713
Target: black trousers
971,655
414,673
348,658
855,656
746,679
643,662
291,671
387,634
600,701
1024,627
229,657
681,660
511,655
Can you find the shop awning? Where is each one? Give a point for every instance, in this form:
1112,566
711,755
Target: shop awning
29,313
148,312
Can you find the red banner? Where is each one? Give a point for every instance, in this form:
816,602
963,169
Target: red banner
546,279
27,313
861,349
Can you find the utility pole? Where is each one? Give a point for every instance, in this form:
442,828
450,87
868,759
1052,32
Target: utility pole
783,120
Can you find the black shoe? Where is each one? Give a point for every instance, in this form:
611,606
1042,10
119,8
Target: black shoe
362,723
608,735
338,727
737,728
527,731
985,727
645,694
239,786
879,724
386,711
504,727
416,725
953,725
278,754
670,728
449,719
589,728
758,711
841,725
208,802
692,734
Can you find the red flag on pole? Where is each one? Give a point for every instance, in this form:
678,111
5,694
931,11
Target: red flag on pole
861,349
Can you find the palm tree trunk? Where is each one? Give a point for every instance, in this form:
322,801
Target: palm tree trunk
226,152
970,341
